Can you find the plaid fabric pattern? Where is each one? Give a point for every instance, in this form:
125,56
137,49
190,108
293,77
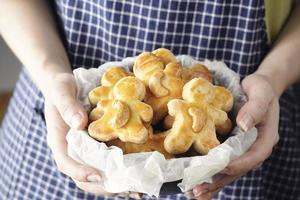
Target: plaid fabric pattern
107,30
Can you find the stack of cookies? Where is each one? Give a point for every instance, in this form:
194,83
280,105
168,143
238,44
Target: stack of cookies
161,106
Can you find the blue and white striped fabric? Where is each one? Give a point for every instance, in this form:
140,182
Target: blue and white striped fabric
108,30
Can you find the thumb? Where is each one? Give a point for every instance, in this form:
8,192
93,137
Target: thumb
64,98
259,97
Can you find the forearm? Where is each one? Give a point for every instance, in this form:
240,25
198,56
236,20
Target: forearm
282,64
29,29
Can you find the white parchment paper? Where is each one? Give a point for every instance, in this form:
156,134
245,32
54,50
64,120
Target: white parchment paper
146,172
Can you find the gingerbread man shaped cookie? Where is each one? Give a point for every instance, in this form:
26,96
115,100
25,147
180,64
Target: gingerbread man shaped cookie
162,76
108,80
124,116
196,117
165,55
195,71
164,86
223,100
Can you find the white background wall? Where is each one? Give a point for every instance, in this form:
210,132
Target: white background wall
9,68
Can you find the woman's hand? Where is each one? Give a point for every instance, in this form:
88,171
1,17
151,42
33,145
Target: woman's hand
262,111
61,112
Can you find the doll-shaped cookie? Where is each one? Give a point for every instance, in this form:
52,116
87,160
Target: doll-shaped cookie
188,73
164,86
168,122
223,100
165,55
145,65
163,82
155,142
195,119
195,71
124,116
108,80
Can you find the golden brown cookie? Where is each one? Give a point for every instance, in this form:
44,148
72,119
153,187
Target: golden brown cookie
155,142
164,86
225,128
165,55
224,101
168,122
195,117
108,80
124,116
196,71
145,65
163,80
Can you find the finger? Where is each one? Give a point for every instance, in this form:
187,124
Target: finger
189,194
270,125
222,182
57,143
135,195
77,171
205,196
201,189
250,160
64,98
93,188
262,148
255,109
123,194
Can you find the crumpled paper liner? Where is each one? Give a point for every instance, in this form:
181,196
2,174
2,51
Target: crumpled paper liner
146,172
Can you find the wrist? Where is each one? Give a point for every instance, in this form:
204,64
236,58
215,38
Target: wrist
48,74
52,65
277,85
275,74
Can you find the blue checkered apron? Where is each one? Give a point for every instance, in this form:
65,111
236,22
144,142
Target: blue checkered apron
106,30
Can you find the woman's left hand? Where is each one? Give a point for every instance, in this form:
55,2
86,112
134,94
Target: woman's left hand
262,111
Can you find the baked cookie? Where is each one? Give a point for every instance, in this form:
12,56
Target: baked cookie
223,100
196,71
196,118
124,116
162,76
164,86
145,65
165,55
168,122
155,142
225,128
108,80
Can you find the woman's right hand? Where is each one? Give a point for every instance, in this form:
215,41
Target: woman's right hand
63,111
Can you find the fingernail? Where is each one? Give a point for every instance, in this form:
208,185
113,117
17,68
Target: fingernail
123,194
246,122
189,194
135,195
76,120
224,171
94,178
201,192
201,189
